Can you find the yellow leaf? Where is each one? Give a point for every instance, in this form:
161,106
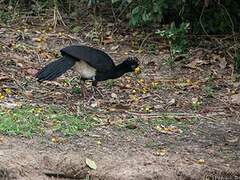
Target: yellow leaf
53,139
137,70
1,139
8,90
128,85
160,152
90,163
38,39
98,142
1,96
201,161
134,91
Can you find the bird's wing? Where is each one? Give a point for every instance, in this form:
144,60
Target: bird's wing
94,57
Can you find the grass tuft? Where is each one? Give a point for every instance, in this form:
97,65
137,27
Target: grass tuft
29,120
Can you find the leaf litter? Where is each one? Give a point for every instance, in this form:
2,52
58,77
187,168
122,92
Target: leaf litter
157,91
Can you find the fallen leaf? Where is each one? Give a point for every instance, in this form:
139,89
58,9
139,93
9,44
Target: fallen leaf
95,104
108,40
168,130
98,142
235,99
3,77
160,152
223,63
7,90
137,70
121,107
90,163
54,140
28,94
172,102
222,60
201,161
194,64
233,139
1,139
113,48
32,71
113,95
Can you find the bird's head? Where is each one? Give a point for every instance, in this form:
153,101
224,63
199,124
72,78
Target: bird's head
132,64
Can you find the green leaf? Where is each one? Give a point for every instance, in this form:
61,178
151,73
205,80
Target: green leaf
136,10
90,163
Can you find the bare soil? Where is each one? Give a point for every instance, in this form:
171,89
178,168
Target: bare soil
207,148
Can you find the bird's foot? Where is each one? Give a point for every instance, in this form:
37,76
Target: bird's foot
95,91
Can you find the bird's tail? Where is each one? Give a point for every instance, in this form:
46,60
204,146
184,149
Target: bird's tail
55,68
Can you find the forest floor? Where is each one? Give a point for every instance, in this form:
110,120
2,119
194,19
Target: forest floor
178,120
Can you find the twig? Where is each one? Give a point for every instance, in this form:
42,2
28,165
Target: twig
121,13
174,115
57,16
56,174
203,28
114,15
148,35
159,114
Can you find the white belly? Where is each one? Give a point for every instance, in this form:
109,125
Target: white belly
84,70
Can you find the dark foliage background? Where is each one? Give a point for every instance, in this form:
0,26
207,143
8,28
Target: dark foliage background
204,16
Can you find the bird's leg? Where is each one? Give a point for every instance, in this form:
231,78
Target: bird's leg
82,85
95,89
83,89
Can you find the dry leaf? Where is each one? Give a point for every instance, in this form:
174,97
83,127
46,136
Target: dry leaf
172,102
3,77
168,130
32,71
201,161
90,163
160,152
121,107
108,40
235,99
28,94
233,139
113,95
94,104
113,48
195,63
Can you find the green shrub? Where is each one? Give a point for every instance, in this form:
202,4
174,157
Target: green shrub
213,16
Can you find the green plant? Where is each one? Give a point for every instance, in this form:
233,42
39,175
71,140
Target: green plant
153,144
169,61
208,88
177,37
29,120
5,16
145,12
196,104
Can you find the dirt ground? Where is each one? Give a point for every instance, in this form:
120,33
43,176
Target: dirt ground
207,147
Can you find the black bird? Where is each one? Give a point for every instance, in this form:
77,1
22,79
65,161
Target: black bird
90,63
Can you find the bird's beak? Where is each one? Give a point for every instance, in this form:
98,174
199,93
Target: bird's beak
137,70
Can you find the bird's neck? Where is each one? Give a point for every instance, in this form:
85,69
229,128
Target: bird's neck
118,71
114,73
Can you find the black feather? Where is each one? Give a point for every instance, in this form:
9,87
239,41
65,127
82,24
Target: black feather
94,57
55,68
